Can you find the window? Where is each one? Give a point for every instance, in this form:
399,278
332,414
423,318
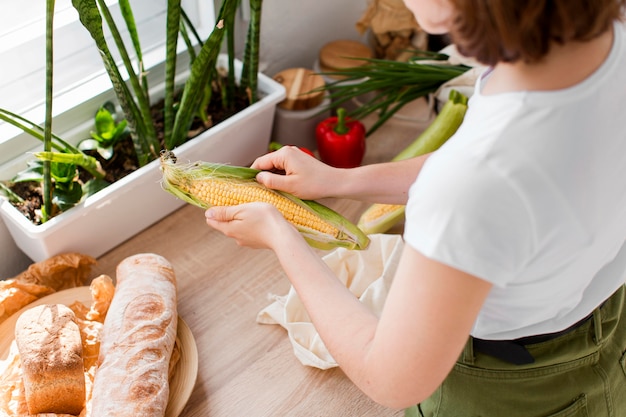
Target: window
78,75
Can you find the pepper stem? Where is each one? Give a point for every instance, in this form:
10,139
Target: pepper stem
340,127
274,146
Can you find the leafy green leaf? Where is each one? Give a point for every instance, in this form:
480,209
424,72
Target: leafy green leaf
62,173
67,195
108,132
88,144
93,186
106,153
105,125
33,172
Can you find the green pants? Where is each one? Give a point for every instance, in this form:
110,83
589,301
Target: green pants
582,373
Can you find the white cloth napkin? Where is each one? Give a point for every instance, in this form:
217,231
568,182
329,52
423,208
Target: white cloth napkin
367,274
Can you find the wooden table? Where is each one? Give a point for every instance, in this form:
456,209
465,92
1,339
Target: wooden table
245,368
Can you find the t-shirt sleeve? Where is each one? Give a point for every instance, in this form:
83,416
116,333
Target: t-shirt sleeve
465,214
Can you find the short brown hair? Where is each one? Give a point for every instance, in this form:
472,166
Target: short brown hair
494,31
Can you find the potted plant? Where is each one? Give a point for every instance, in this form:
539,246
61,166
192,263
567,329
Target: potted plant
117,212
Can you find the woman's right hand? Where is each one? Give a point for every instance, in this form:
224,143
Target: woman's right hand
291,170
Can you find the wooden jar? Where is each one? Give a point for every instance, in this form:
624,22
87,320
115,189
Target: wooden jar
299,113
341,54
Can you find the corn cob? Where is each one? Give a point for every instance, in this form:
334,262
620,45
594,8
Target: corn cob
206,184
379,218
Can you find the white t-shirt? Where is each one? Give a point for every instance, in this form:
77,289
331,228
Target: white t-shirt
530,195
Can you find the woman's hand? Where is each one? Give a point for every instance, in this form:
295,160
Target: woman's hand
291,170
256,225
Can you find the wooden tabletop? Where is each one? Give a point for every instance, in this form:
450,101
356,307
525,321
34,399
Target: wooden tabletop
245,368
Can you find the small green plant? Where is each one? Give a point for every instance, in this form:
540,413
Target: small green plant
66,190
108,132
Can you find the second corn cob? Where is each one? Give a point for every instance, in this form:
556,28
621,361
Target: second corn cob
379,218
207,184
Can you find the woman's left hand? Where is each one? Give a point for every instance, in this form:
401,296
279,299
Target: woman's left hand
256,225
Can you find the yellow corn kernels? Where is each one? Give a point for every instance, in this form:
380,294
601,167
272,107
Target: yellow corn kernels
230,192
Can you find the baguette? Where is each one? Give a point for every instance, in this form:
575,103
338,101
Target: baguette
137,340
49,344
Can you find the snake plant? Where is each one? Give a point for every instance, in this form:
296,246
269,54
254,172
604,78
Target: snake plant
56,166
135,101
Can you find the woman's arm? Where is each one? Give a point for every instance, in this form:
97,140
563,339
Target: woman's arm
397,360
402,358
309,178
387,182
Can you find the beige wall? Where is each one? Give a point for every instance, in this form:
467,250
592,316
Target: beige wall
293,31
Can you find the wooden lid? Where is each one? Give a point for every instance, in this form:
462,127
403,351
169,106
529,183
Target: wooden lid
338,54
299,82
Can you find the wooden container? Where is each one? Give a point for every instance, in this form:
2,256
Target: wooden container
341,54
299,84
302,109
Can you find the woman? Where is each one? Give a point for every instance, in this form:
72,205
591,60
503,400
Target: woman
508,300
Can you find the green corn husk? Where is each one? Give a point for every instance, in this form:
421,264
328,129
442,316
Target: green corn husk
379,218
185,180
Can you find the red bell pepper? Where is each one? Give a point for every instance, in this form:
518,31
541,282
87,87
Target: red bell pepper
341,140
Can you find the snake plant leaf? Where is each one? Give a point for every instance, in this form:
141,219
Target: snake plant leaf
142,131
199,76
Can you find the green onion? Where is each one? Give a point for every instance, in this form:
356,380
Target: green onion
392,83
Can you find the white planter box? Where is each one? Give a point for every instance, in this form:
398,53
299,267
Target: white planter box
133,203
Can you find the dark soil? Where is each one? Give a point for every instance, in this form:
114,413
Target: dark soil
124,160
